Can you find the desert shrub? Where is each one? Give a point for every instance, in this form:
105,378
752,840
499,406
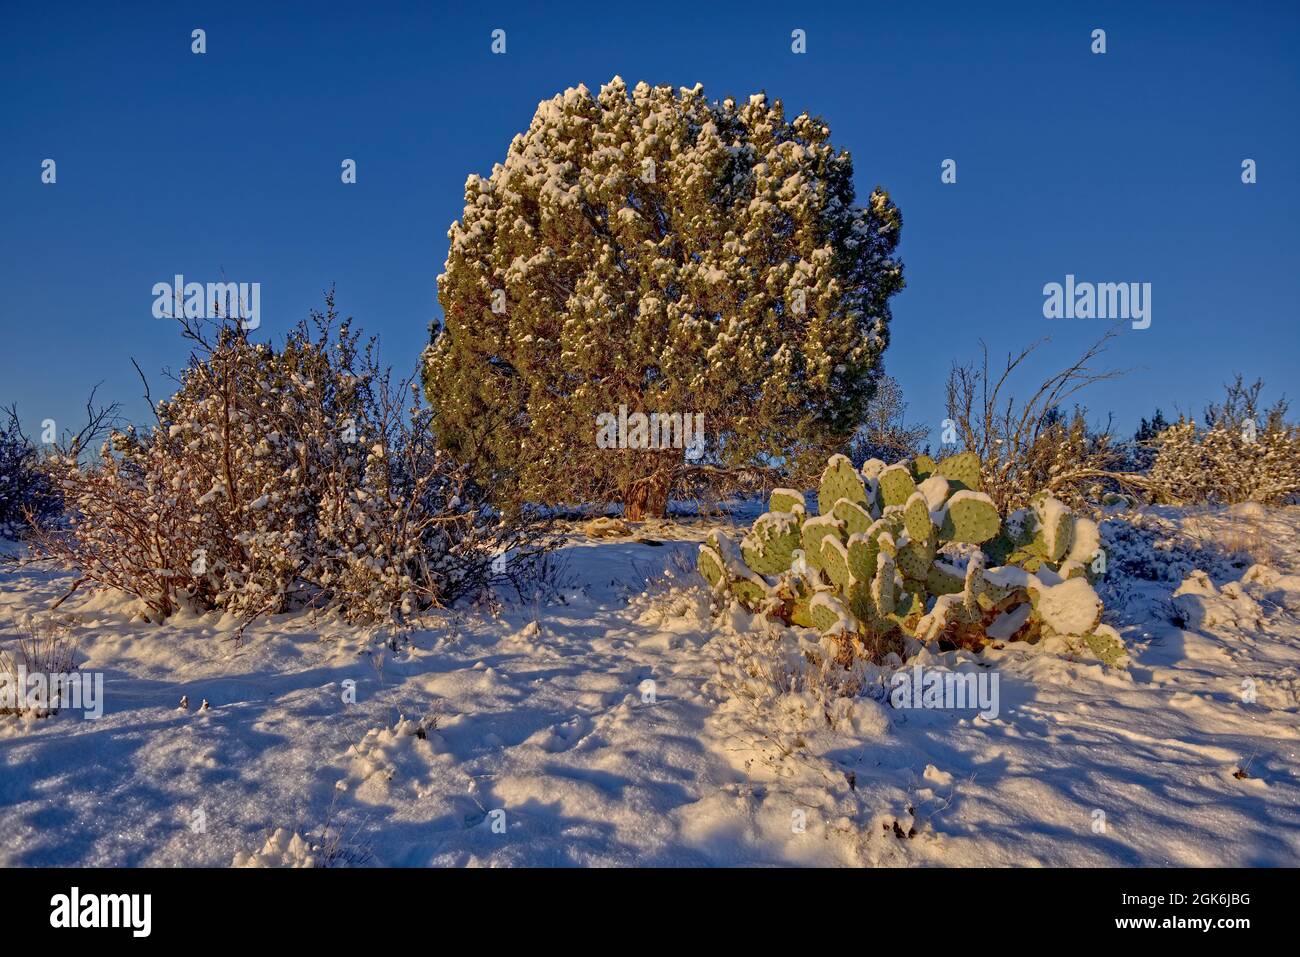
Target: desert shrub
916,551
29,491
1224,466
1243,454
279,477
1032,446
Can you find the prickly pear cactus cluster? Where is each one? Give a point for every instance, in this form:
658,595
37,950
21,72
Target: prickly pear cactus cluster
915,550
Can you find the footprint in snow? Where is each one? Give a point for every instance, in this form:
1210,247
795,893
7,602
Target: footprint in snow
568,733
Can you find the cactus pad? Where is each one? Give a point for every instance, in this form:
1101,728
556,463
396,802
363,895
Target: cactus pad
896,485
787,500
916,517
970,517
863,551
814,530
835,561
840,480
964,468
769,546
854,516
711,566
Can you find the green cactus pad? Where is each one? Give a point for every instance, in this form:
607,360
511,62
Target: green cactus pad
840,480
801,614
855,518
863,551
1021,526
915,559
905,605
814,530
916,517
769,546
923,467
1106,644
1029,561
1072,569
1056,526
859,600
998,549
973,586
964,467
711,566
787,500
835,561
944,579
886,542
970,517
1002,581
891,525
748,593
882,586
896,485
829,614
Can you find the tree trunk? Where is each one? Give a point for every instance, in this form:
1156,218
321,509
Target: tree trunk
647,497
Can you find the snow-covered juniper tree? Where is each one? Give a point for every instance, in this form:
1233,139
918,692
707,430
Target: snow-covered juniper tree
671,254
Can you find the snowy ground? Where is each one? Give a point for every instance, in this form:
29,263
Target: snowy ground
533,737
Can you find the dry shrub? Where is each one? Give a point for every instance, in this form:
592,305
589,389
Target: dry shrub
1032,446
40,648
275,478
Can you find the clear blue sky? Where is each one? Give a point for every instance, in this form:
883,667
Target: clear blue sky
1116,167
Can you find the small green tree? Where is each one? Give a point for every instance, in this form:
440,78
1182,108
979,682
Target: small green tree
657,252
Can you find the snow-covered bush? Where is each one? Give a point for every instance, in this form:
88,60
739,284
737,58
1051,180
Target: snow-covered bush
278,477
27,494
1226,464
1244,453
916,551
655,251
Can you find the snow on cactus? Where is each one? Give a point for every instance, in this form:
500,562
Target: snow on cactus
1069,608
937,565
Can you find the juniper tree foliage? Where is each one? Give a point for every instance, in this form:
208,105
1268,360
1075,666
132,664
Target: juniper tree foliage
26,492
667,253
885,433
